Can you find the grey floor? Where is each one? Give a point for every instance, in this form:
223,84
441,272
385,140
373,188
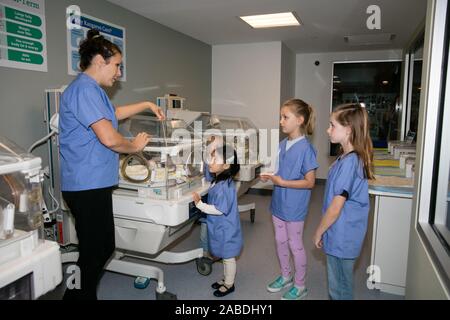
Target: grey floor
256,266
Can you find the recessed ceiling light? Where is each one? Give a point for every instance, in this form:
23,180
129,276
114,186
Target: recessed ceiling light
284,19
369,39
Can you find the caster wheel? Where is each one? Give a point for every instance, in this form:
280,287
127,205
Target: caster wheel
166,296
141,282
204,266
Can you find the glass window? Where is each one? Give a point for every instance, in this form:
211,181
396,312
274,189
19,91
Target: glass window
416,88
377,85
414,75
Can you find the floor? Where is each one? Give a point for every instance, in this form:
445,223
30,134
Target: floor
256,266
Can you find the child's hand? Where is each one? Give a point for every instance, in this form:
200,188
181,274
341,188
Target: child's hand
196,197
265,176
277,180
317,239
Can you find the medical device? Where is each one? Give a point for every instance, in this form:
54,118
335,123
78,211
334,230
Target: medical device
30,266
240,132
170,101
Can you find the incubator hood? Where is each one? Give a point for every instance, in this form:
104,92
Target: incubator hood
13,158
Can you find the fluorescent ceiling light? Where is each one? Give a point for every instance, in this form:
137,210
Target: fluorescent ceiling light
284,19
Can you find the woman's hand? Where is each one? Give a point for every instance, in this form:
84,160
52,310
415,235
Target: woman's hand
157,111
317,239
140,141
196,197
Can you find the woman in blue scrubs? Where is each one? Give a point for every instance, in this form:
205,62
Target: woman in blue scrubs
346,204
293,180
223,220
89,151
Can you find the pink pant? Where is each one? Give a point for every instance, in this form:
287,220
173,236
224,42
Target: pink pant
288,235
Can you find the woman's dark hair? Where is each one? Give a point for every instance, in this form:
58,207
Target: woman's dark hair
229,156
95,44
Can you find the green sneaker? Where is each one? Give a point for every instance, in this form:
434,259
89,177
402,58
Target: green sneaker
279,283
295,294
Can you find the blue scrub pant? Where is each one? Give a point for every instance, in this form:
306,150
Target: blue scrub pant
340,278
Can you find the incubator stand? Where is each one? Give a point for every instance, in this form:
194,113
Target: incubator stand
29,265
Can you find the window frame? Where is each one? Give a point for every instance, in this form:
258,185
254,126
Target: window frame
362,61
436,74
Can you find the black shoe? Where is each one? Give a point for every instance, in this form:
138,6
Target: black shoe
218,284
219,293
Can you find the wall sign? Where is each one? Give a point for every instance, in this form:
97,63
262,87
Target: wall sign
23,41
77,28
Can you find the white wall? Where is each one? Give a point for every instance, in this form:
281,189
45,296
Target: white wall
246,82
313,85
288,60
287,88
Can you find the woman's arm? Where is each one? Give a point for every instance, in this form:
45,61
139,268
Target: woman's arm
331,215
124,112
113,140
307,183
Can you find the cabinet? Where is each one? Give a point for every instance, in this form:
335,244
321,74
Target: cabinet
392,220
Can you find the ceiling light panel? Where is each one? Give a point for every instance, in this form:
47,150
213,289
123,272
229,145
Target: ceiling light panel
284,19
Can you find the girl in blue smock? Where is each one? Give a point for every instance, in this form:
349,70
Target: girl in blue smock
346,204
89,144
214,141
293,180
223,220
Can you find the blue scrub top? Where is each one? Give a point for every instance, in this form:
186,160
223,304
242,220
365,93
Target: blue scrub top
291,204
345,237
85,162
224,231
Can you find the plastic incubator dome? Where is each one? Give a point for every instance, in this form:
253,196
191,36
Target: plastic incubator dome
166,168
20,191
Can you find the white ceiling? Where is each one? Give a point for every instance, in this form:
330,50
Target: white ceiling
325,22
